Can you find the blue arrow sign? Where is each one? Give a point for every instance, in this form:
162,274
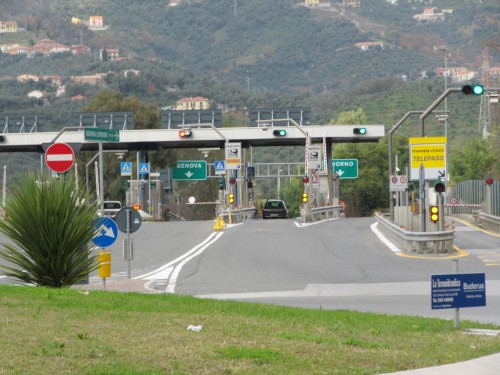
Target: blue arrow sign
107,232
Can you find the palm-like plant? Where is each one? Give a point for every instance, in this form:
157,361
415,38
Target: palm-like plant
51,227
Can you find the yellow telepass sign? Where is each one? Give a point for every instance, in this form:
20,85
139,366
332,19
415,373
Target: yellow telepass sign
430,152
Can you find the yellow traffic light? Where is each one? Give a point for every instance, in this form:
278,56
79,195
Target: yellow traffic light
305,197
231,198
434,213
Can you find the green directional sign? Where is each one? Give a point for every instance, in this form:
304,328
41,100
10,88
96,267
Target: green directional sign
345,168
104,135
191,170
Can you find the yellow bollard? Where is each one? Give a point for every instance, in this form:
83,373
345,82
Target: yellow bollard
219,224
104,264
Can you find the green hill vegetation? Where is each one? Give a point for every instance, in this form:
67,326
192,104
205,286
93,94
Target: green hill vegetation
242,55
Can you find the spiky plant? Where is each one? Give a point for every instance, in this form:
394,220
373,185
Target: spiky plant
50,226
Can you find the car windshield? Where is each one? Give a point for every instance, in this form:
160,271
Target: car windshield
111,205
276,204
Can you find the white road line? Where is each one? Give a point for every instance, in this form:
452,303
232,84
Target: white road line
303,225
382,238
177,269
170,271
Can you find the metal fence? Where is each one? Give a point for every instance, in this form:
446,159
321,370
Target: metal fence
472,195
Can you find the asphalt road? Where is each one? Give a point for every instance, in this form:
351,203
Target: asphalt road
336,264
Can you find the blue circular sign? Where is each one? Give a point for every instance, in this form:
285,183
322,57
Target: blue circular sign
107,232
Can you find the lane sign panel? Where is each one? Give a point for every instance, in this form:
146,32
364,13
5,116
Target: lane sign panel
233,155
345,168
191,170
429,152
398,183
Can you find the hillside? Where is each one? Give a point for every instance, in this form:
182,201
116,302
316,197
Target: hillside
260,53
270,46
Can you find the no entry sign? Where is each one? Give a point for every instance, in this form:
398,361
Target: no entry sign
59,157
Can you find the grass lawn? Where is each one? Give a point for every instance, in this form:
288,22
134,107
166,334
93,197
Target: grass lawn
67,331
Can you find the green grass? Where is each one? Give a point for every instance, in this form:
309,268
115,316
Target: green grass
67,331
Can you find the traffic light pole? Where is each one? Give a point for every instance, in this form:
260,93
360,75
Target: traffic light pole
433,106
389,146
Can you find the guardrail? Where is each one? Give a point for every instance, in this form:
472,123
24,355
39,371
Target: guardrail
416,242
238,216
487,221
323,213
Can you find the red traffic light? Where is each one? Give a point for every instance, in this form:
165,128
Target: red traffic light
305,179
489,181
184,133
232,180
439,187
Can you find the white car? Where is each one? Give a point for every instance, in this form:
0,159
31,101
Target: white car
111,208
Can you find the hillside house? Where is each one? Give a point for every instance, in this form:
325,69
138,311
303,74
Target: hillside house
311,2
112,53
457,74
365,46
429,14
16,49
80,49
37,94
55,81
78,98
96,22
90,80
351,3
27,78
197,102
8,27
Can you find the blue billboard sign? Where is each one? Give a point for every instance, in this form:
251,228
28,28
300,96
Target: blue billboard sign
458,290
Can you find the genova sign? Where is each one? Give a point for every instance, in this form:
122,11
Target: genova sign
191,170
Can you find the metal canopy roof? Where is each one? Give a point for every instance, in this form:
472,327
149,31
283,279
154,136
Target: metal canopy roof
146,139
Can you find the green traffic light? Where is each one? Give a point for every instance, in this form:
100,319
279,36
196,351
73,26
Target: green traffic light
360,131
473,89
279,132
478,89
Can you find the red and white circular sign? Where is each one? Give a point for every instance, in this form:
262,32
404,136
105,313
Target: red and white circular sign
59,157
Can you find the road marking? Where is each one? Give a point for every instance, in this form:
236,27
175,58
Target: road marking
384,240
169,272
303,225
477,228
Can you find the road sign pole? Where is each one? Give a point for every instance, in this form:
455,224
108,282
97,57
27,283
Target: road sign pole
101,178
457,310
422,199
129,272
